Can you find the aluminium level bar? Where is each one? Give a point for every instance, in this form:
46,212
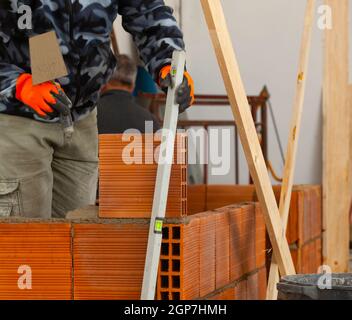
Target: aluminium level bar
163,178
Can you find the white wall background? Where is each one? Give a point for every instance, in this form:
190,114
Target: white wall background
266,36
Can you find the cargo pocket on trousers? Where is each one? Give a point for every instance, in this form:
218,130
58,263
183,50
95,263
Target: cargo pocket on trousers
10,200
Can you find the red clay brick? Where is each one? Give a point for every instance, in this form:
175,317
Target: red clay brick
249,243
207,254
318,254
236,217
262,284
300,216
191,259
46,249
260,236
305,208
295,253
241,290
316,220
222,249
228,294
196,199
307,214
109,260
127,190
292,227
253,287
242,240
308,258
224,195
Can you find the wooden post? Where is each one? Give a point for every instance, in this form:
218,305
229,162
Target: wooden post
219,33
289,170
336,145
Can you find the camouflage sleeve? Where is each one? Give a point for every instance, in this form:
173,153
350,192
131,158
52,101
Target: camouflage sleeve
154,30
8,72
8,78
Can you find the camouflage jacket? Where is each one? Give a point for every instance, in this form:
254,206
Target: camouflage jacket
83,28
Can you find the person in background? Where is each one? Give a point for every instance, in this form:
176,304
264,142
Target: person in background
117,109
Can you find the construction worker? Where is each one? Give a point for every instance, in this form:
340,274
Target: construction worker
118,110
43,172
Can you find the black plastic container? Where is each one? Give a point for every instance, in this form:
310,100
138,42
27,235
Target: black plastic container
316,287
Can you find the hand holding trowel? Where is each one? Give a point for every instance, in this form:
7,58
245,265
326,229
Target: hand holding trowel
63,106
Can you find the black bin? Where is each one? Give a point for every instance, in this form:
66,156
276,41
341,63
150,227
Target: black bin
335,286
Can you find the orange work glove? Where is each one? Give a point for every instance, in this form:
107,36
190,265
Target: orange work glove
185,93
38,97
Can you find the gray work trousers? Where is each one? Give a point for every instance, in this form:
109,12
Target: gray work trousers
42,173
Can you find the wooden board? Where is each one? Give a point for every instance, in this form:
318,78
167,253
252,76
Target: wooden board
336,144
220,36
290,162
